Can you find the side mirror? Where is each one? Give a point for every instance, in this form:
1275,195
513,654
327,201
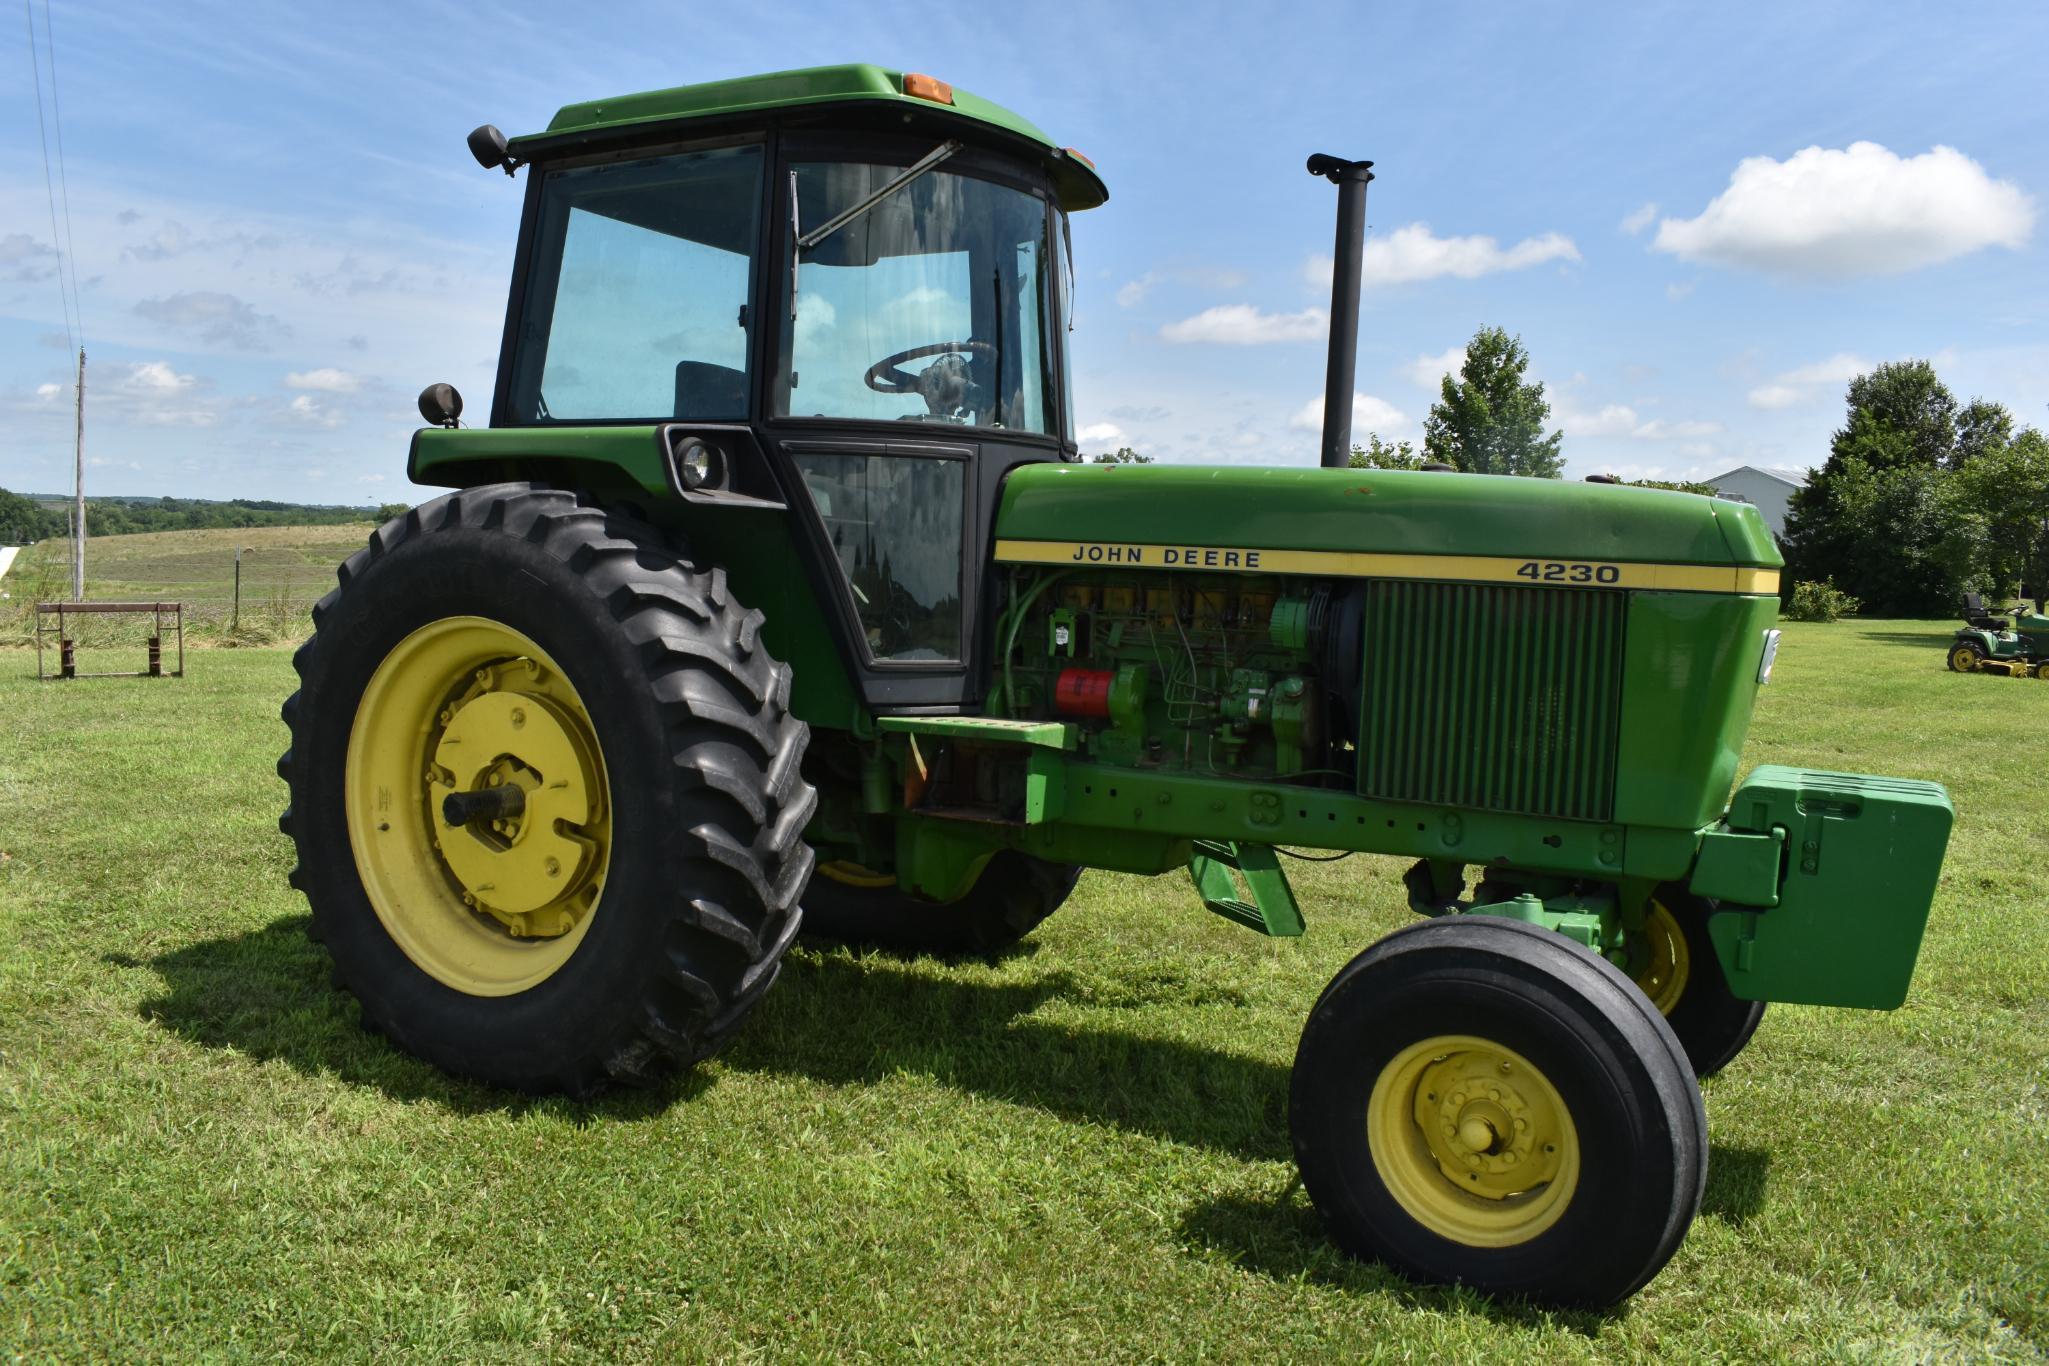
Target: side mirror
487,145
440,405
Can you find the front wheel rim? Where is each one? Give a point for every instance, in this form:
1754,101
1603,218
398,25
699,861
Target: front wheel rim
492,906
1667,961
1472,1141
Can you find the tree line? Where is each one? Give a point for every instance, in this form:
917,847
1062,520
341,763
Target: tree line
23,519
1923,499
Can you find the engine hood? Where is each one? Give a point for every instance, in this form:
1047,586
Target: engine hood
1374,513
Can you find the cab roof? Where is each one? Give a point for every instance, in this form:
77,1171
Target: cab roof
751,99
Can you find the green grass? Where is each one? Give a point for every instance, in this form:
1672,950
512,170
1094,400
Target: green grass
1078,1152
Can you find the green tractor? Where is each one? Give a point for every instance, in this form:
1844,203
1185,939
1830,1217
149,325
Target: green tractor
2016,646
773,597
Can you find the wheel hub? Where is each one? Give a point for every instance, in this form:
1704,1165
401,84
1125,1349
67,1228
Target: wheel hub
525,870
1482,1130
1472,1140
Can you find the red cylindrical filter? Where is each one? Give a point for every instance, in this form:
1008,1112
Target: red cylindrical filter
1082,692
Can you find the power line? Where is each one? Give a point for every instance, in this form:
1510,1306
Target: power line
49,188
63,180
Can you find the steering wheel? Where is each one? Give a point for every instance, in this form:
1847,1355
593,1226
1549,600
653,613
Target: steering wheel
944,386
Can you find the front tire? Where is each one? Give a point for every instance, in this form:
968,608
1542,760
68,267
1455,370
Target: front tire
1482,1102
1674,964
628,910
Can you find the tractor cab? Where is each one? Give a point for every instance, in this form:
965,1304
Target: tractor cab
841,292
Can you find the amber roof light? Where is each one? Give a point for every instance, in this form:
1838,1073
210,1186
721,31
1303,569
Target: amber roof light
928,88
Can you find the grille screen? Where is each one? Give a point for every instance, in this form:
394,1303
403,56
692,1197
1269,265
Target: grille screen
1506,699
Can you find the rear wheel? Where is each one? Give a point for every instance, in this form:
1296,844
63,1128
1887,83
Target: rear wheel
1483,1102
1675,966
1964,656
854,905
545,792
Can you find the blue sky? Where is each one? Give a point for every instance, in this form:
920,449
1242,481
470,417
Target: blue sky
280,237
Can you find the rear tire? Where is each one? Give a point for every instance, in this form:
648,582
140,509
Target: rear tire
1013,894
1531,1067
640,905
1683,978
1964,657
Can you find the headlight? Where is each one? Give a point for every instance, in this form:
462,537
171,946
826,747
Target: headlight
1771,655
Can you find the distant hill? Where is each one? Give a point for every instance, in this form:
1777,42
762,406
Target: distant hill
35,516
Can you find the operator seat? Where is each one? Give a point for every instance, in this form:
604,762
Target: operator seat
1975,615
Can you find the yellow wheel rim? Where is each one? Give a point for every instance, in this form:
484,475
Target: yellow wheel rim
1963,659
1472,1141
2042,671
851,874
490,907
1666,962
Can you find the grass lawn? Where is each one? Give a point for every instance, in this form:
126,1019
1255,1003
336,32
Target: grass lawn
1078,1152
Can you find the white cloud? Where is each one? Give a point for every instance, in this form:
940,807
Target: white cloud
1428,372
46,392
1245,325
307,409
155,377
1132,292
1860,210
1639,219
326,380
1676,292
1621,420
1413,253
1805,381
1107,434
1369,414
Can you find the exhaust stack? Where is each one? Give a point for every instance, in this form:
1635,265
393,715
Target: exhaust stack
1350,177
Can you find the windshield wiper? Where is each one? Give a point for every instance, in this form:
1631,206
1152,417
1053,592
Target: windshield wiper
841,219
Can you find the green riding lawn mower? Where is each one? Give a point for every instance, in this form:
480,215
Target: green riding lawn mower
2017,646
773,597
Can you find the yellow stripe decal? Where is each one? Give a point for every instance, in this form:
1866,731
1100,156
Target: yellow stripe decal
1671,578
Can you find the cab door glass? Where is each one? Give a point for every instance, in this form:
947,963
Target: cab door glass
895,523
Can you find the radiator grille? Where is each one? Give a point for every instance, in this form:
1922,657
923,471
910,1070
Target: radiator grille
1505,699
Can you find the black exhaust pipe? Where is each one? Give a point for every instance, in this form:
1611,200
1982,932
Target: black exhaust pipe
1350,177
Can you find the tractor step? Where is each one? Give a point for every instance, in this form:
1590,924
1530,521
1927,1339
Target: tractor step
1272,909
986,729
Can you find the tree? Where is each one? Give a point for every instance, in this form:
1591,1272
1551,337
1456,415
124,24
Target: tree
1490,420
1900,413
22,521
1982,427
2004,493
1382,455
1123,455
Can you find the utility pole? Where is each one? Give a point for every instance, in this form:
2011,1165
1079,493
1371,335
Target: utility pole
78,495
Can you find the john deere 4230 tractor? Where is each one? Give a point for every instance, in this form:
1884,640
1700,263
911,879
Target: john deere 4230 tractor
773,595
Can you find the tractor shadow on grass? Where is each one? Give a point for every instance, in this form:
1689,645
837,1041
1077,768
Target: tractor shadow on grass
845,1020
267,994
1283,1238
1931,637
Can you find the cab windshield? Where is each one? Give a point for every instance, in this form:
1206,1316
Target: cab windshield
928,307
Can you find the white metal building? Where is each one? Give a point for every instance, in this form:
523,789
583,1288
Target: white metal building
1766,487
